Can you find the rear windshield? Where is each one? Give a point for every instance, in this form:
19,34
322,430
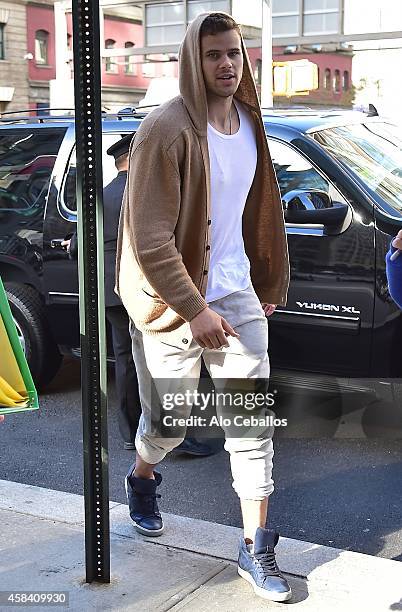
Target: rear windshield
373,151
27,157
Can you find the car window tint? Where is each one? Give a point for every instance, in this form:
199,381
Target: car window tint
294,171
373,152
69,198
27,158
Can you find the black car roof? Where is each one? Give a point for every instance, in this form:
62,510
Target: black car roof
310,120
300,119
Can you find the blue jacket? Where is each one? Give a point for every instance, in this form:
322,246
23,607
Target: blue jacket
394,275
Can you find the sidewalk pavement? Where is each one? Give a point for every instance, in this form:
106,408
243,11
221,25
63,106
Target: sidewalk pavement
191,567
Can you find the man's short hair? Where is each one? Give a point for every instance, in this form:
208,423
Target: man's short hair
217,23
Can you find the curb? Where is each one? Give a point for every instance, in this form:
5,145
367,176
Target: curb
349,571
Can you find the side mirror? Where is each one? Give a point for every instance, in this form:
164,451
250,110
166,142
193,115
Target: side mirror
312,207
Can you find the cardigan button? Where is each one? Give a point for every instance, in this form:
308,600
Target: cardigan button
208,247
205,272
209,221
185,341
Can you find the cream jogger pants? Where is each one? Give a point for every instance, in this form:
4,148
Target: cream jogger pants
246,357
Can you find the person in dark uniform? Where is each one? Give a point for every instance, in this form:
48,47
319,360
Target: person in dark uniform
128,396
125,373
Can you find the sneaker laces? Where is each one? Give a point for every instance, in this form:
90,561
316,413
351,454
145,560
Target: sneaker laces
268,564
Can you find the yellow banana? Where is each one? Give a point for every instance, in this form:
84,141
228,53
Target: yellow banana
9,391
4,400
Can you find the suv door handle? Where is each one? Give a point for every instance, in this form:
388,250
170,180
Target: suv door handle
56,243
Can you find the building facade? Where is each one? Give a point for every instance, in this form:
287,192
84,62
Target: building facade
335,86
28,50
14,87
124,79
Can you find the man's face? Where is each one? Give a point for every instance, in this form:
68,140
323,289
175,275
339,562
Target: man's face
222,63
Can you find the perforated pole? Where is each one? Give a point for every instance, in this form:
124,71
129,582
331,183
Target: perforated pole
87,87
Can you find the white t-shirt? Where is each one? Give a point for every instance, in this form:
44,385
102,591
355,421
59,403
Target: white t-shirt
233,161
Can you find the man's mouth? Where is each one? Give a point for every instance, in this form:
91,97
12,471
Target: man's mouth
226,77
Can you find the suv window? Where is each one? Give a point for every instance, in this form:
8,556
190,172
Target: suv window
69,199
294,171
27,157
373,152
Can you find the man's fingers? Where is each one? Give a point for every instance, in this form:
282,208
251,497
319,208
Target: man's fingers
229,329
221,340
204,342
397,241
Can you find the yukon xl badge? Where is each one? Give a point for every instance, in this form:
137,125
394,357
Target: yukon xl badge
328,307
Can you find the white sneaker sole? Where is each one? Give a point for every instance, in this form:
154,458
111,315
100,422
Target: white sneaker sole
142,530
262,592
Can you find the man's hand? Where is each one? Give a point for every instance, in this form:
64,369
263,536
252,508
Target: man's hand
268,309
210,330
66,244
397,241
1,418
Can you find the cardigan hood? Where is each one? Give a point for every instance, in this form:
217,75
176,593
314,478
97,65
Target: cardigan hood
191,79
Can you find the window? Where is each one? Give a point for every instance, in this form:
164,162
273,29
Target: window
345,81
258,71
165,22
2,47
26,160
130,66
320,17
327,79
195,7
373,152
110,63
41,47
285,18
69,197
294,171
337,81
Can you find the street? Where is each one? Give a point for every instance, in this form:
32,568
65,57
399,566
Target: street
339,492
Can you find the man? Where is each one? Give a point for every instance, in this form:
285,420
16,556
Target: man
394,270
201,236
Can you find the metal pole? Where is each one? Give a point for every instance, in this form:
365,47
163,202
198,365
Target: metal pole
88,128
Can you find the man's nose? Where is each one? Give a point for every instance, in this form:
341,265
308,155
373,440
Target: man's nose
226,62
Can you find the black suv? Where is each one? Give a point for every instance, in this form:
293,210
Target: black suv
340,175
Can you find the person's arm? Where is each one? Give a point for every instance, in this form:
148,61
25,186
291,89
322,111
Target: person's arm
394,271
151,214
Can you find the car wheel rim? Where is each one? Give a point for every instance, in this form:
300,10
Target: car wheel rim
20,334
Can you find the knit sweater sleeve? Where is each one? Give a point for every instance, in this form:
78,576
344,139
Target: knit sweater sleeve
153,199
394,275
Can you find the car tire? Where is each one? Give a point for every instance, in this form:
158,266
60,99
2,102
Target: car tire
43,356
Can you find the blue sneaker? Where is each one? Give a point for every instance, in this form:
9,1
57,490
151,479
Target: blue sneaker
142,496
258,566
